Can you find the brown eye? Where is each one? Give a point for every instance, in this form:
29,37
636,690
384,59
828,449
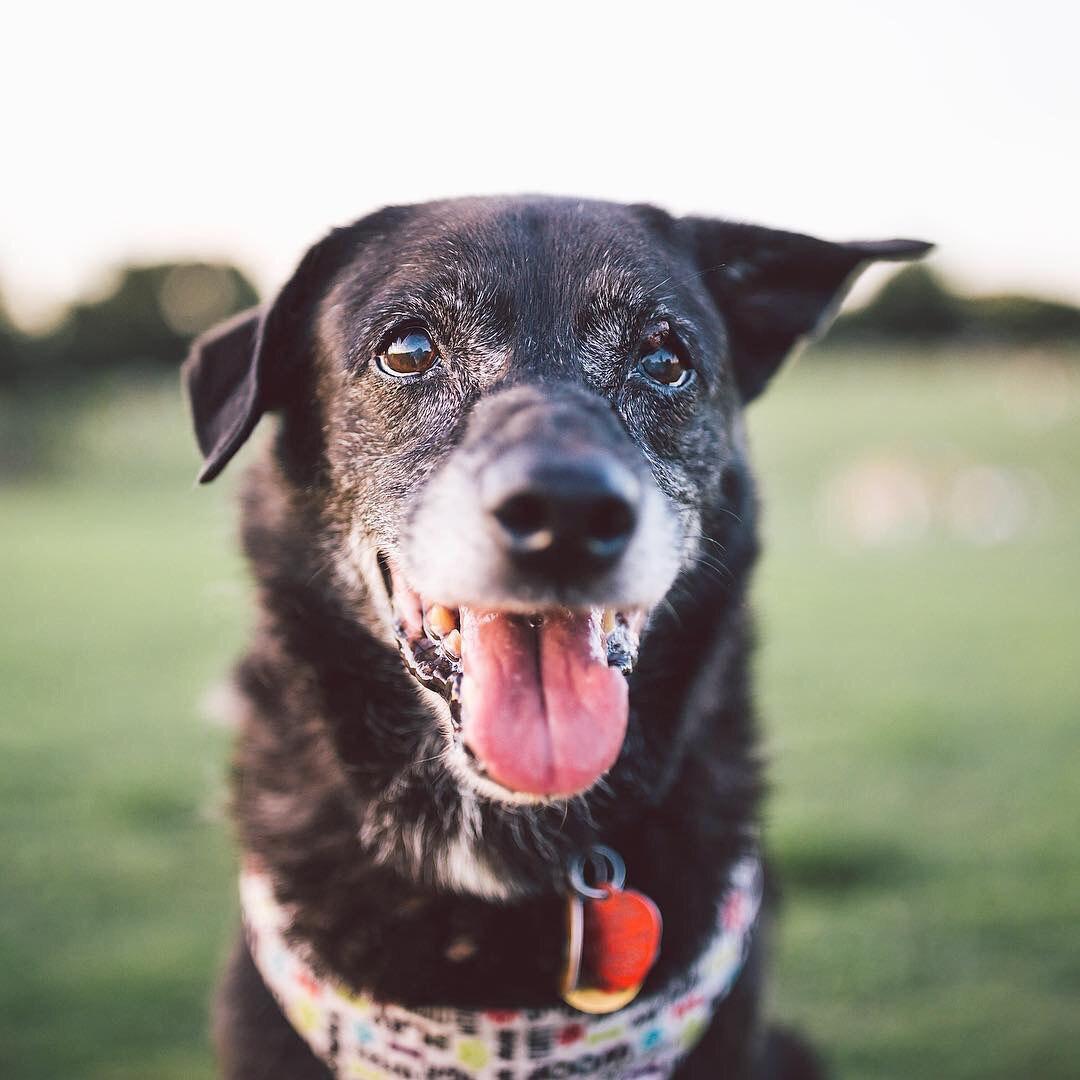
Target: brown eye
410,352
659,360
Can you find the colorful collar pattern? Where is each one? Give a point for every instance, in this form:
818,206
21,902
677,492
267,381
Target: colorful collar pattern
362,1039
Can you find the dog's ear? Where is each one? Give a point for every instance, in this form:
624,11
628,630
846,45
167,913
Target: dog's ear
776,288
245,367
220,376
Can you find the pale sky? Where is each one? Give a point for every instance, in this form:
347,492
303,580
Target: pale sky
145,131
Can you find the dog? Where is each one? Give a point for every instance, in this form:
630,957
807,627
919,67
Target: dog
502,539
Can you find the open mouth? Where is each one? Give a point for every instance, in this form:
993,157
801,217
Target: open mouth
538,701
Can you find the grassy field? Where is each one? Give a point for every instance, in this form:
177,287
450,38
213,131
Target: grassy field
918,678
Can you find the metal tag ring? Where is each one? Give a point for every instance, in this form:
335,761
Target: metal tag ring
607,869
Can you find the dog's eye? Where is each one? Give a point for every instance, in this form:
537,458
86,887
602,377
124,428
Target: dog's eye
659,359
409,352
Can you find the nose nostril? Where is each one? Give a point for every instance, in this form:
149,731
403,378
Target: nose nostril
525,517
610,520
562,517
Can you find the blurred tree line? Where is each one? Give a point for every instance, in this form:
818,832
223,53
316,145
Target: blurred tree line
917,307
142,324
145,321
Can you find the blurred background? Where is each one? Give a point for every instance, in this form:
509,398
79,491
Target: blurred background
918,601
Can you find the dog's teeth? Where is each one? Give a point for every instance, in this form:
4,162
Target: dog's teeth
607,624
441,621
452,643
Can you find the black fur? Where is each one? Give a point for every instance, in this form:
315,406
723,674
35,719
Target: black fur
338,788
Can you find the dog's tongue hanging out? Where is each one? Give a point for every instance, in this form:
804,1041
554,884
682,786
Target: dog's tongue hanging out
540,707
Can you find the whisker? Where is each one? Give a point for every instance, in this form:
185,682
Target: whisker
689,277
710,540
714,565
425,761
673,611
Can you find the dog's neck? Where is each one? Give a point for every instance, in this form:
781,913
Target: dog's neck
355,1033
341,795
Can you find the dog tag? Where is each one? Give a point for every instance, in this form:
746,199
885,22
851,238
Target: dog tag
612,941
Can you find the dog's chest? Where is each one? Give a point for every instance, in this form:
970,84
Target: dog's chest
359,1037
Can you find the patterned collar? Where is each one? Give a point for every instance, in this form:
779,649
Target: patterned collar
360,1038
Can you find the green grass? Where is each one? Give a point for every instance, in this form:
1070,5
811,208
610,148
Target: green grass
921,698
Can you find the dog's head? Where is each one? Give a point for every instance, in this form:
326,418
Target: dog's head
521,416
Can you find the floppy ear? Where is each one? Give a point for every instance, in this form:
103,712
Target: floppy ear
245,367
775,288
220,377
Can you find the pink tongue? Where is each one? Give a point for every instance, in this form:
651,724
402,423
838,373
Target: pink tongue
541,709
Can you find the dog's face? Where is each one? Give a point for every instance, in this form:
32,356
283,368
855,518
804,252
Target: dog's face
520,416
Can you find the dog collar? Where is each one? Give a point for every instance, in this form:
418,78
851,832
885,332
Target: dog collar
357,1036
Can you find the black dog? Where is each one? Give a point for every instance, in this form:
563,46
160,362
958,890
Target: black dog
510,448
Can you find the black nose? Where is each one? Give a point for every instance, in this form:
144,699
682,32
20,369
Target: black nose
562,516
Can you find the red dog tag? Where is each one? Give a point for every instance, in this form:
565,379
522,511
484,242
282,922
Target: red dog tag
621,939
613,940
